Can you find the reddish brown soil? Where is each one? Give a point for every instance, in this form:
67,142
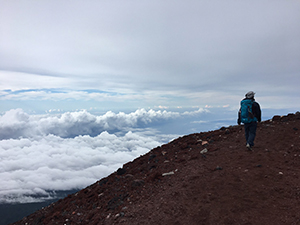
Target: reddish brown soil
226,185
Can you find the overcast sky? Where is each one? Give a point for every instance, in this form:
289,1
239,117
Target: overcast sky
86,86
77,54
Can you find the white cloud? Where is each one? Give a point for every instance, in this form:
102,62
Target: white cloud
35,166
16,123
43,153
199,111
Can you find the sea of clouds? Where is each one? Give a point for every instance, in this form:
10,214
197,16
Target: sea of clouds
41,154
16,123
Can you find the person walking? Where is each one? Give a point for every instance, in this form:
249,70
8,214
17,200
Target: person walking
249,114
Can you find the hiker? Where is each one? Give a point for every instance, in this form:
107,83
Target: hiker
249,114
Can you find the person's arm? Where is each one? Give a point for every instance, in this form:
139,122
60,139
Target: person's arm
257,111
239,117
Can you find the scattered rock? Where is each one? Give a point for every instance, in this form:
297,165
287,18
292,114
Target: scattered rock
129,176
168,174
276,118
121,171
204,151
218,168
204,142
121,214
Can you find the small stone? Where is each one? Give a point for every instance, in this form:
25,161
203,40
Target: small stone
204,151
121,171
204,142
276,118
137,183
129,176
168,174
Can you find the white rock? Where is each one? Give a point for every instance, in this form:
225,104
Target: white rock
169,173
204,151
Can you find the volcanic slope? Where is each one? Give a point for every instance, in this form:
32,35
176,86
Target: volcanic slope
202,178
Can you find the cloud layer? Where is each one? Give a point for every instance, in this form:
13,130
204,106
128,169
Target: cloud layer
16,123
43,153
31,167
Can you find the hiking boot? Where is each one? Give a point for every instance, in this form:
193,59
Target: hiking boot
249,147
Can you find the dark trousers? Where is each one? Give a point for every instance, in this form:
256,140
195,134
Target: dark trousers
250,132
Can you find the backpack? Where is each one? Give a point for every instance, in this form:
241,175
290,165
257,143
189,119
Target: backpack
247,115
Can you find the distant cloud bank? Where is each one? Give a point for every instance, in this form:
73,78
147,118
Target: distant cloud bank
43,153
16,123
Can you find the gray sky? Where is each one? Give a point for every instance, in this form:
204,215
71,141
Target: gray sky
149,53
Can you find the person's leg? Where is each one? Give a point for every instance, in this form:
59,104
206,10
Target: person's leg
246,126
252,133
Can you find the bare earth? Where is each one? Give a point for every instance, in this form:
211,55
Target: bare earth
179,183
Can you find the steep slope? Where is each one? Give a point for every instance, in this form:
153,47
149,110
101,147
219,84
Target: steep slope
181,183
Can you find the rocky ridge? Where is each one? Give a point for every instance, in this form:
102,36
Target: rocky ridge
202,178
